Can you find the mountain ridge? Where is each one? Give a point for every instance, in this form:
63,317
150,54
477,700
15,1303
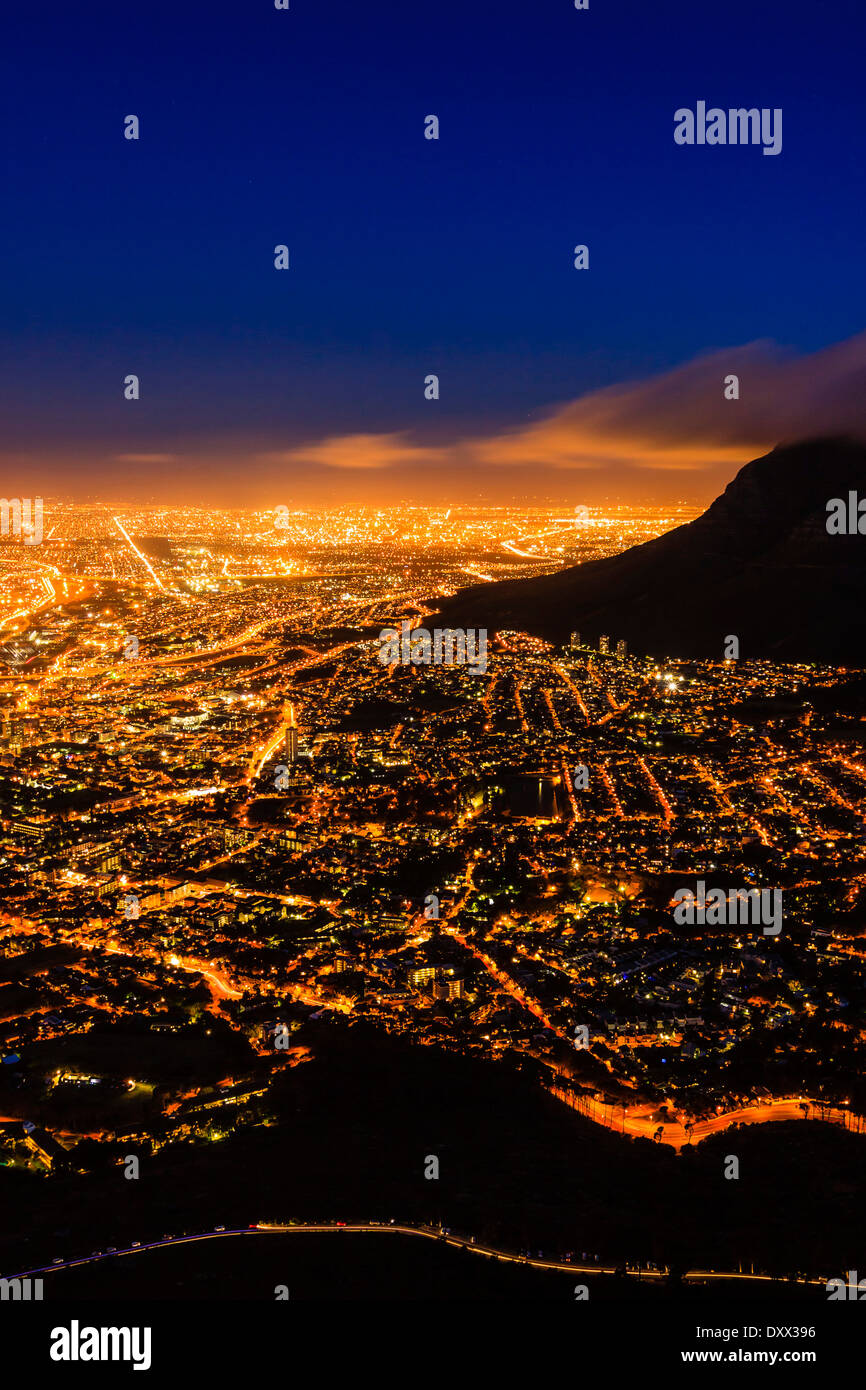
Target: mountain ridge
758,564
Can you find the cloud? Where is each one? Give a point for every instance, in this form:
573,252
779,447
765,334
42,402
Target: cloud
358,451
145,458
679,419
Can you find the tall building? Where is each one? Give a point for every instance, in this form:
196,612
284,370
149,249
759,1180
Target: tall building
291,745
621,649
604,643
421,975
450,988
575,639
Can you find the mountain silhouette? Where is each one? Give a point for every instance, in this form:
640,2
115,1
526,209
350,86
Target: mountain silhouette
759,564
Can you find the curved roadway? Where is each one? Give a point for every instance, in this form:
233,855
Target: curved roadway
423,1232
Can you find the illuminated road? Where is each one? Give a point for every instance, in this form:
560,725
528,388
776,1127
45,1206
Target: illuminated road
578,698
69,590
264,752
424,1232
134,548
505,981
667,810
640,1121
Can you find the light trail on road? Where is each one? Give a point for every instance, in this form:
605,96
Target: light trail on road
638,1273
135,550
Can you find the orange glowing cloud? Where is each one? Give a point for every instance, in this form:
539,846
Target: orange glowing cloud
145,458
681,419
358,451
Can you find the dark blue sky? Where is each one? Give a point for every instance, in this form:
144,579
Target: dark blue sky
407,256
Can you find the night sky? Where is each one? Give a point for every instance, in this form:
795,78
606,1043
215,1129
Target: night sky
411,256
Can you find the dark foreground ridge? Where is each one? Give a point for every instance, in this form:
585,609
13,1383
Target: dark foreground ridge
758,564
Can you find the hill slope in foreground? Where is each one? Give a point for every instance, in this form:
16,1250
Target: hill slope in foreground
758,564
350,1137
